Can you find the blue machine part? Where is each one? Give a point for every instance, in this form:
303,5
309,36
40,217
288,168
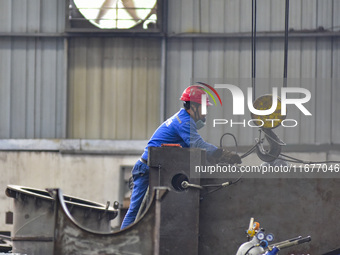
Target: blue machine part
274,251
260,236
270,237
264,243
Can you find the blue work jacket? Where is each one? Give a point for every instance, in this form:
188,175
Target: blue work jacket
180,129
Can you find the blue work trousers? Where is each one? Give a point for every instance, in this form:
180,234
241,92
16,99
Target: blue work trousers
140,175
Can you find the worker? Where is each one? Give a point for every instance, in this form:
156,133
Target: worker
181,129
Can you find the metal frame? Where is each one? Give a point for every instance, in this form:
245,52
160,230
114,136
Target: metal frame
141,237
84,26
239,35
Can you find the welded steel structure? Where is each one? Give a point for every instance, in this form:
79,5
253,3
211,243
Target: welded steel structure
169,224
140,238
192,221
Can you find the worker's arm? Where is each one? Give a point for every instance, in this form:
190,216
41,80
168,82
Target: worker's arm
192,138
214,155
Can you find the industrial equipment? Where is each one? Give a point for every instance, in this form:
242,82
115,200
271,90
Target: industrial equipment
259,242
34,218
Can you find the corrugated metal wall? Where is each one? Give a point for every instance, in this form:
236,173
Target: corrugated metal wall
32,16
32,88
229,16
55,86
313,59
313,63
32,69
114,87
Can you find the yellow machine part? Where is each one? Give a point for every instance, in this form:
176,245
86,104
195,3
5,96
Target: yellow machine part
269,121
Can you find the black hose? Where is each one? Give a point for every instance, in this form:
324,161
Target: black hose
219,186
249,250
250,151
231,136
296,160
286,44
305,162
253,44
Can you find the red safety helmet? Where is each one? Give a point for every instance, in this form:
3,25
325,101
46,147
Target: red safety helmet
194,94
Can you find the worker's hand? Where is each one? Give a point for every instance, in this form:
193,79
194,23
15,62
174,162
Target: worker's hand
229,157
214,157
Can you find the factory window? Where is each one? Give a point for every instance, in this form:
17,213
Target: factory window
114,16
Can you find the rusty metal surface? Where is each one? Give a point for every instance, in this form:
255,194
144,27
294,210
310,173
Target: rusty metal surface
179,232
182,223
139,238
285,207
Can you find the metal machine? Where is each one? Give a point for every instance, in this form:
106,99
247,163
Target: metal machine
34,218
184,215
260,242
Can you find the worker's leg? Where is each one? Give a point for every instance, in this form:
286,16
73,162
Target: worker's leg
141,182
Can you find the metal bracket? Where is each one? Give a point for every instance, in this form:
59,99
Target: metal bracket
275,144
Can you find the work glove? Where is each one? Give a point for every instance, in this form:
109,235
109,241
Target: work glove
222,155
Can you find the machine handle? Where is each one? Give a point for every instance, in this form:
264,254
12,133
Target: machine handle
186,185
295,242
